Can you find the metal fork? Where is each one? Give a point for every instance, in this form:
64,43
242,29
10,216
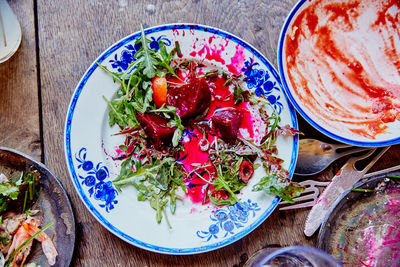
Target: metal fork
308,197
311,193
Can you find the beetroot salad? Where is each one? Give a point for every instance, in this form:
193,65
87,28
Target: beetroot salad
192,128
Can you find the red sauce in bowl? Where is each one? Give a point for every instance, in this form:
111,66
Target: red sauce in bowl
343,62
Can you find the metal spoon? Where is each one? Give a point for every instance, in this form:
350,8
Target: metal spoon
315,156
10,32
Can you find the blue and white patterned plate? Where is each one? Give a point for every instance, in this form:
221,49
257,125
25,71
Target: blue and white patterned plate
89,144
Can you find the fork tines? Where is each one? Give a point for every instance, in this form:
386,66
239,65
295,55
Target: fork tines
308,197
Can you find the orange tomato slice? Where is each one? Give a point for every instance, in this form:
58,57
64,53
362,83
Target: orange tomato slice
159,85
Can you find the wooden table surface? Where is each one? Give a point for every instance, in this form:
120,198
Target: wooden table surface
61,39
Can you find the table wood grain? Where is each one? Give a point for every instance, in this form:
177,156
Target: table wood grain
70,36
19,92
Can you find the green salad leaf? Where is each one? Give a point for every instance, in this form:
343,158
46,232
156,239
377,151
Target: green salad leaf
156,182
273,184
9,190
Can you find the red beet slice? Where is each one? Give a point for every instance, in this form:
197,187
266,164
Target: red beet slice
190,99
246,171
226,122
159,134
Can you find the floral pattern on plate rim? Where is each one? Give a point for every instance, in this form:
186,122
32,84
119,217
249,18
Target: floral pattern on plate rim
95,176
229,219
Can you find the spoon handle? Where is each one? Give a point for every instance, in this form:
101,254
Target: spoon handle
337,146
349,151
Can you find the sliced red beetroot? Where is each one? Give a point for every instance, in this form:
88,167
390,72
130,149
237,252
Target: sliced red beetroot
226,122
190,99
246,171
159,134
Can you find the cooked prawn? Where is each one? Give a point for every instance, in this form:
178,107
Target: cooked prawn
47,245
20,237
24,232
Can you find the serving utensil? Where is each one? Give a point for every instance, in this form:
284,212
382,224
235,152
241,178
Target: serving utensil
307,198
343,181
315,156
310,195
10,32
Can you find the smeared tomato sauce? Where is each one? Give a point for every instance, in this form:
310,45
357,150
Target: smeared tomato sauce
343,61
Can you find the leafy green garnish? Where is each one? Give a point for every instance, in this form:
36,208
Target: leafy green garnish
178,49
122,113
9,190
156,182
362,190
25,201
145,57
276,185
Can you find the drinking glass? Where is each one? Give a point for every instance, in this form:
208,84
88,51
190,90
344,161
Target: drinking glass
295,256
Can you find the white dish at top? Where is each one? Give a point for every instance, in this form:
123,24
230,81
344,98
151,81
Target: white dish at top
339,62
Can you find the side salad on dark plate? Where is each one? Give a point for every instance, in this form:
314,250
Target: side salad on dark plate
19,220
193,128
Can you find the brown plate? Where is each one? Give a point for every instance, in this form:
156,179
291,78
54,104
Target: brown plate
362,230
53,204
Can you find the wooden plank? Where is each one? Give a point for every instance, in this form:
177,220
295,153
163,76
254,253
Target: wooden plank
19,104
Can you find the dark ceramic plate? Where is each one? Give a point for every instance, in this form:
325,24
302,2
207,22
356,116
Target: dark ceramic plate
53,204
363,228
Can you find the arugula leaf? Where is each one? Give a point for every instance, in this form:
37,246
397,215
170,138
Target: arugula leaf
128,176
273,184
165,59
116,75
176,137
145,57
148,97
155,181
121,113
